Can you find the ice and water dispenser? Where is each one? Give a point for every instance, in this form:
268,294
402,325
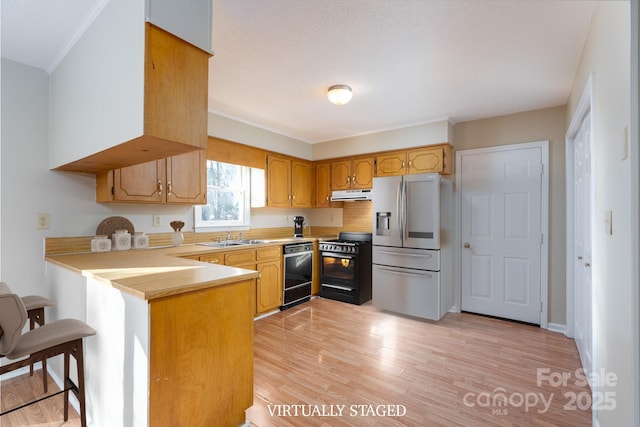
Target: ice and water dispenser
383,223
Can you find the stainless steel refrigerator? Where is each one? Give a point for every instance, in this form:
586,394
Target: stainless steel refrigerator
413,225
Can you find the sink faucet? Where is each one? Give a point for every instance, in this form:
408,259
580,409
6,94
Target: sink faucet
228,235
241,235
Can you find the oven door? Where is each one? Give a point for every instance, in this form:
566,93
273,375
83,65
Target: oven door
339,270
298,268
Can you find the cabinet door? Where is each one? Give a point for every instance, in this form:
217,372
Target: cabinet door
242,258
186,178
269,286
425,160
362,173
323,185
216,258
300,184
140,183
391,164
341,175
278,182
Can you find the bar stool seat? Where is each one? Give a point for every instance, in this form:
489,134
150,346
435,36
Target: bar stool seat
59,337
35,305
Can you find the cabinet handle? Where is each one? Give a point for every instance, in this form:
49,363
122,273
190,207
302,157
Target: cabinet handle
348,180
403,164
327,198
353,179
587,264
168,187
293,197
160,187
410,163
214,261
579,257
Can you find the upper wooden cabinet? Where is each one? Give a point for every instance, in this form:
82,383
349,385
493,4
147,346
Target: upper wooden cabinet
288,182
355,173
177,180
323,186
162,115
420,160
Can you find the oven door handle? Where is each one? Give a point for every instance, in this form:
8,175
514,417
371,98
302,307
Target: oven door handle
342,288
297,254
334,255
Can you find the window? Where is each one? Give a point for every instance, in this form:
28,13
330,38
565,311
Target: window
228,197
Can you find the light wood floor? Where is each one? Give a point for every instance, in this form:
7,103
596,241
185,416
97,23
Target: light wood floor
48,413
445,373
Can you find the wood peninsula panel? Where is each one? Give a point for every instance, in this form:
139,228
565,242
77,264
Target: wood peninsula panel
201,357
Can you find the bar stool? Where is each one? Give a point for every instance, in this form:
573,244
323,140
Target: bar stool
35,305
59,337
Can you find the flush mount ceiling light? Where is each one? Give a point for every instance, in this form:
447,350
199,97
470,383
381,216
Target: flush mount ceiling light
339,94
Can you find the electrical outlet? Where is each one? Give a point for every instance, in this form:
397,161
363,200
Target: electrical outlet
157,220
42,221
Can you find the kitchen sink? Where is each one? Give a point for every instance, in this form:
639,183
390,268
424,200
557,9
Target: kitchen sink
231,243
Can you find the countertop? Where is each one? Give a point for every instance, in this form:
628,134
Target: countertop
158,272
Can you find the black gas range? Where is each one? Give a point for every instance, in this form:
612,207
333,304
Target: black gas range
345,268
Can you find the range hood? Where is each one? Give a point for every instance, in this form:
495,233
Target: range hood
351,195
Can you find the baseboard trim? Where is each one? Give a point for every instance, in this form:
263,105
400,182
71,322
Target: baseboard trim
557,327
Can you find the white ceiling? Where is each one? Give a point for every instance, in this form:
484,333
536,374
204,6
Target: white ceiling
408,61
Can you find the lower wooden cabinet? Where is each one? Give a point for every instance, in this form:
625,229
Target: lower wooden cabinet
269,283
267,261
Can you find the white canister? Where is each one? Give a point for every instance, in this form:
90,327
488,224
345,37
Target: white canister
121,240
100,244
139,240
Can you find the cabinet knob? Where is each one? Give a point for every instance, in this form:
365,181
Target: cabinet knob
466,245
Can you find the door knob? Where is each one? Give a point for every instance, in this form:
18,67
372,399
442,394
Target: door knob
466,245
587,264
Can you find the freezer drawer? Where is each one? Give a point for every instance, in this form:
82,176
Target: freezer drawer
406,291
421,259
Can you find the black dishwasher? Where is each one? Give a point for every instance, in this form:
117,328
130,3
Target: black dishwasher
298,269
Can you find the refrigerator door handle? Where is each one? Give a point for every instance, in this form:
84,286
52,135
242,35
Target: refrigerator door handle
406,254
406,273
399,200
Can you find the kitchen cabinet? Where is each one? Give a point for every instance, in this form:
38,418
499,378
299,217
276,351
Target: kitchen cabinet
175,180
323,186
420,160
288,182
135,120
353,173
267,261
269,283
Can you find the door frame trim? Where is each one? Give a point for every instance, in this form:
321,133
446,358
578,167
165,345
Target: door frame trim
585,105
544,221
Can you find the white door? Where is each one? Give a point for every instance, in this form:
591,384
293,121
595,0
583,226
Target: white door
582,242
501,231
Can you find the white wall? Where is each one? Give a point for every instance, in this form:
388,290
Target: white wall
413,136
606,54
233,130
98,84
28,186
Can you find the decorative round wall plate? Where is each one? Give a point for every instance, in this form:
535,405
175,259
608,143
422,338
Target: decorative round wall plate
113,223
